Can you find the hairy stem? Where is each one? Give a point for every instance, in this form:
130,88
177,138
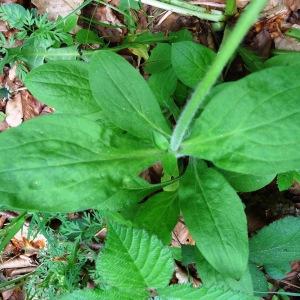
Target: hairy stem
196,12
193,7
225,53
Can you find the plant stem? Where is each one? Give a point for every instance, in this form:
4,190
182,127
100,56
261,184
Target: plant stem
193,7
230,8
184,11
225,53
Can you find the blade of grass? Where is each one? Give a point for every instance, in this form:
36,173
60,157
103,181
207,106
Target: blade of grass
10,230
225,53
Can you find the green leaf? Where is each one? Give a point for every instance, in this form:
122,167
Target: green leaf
129,4
64,163
246,183
278,272
277,245
125,97
133,259
64,86
212,278
9,231
64,53
294,33
286,180
85,36
281,60
111,294
70,23
252,61
181,36
186,292
14,14
215,217
160,59
87,294
158,215
260,283
191,61
163,86
251,126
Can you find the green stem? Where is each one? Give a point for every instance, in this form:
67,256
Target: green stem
230,9
193,7
184,11
225,53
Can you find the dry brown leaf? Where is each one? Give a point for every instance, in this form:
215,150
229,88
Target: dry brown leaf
181,235
13,294
181,275
286,43
106,15
31,107
14,111
20,262
20,271
56,8
274,4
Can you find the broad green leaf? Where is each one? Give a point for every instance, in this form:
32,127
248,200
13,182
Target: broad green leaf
111,294
279,271
251,126
252,61
85,36
158,215
210,277
133,259
286,180
215,217
160,59
186,292
181,36
260,283
64,53
294,33
276,245
33,52
191,61
287,59
129,4
87,294
63,163
125,96
246,183
64,86
163,85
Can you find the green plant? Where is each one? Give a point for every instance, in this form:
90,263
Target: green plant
109,127
40,37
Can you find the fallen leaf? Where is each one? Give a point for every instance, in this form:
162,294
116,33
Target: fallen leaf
13,294
181,235
106,15
14,111
293,5
31,107
20,262
286,43
56,8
